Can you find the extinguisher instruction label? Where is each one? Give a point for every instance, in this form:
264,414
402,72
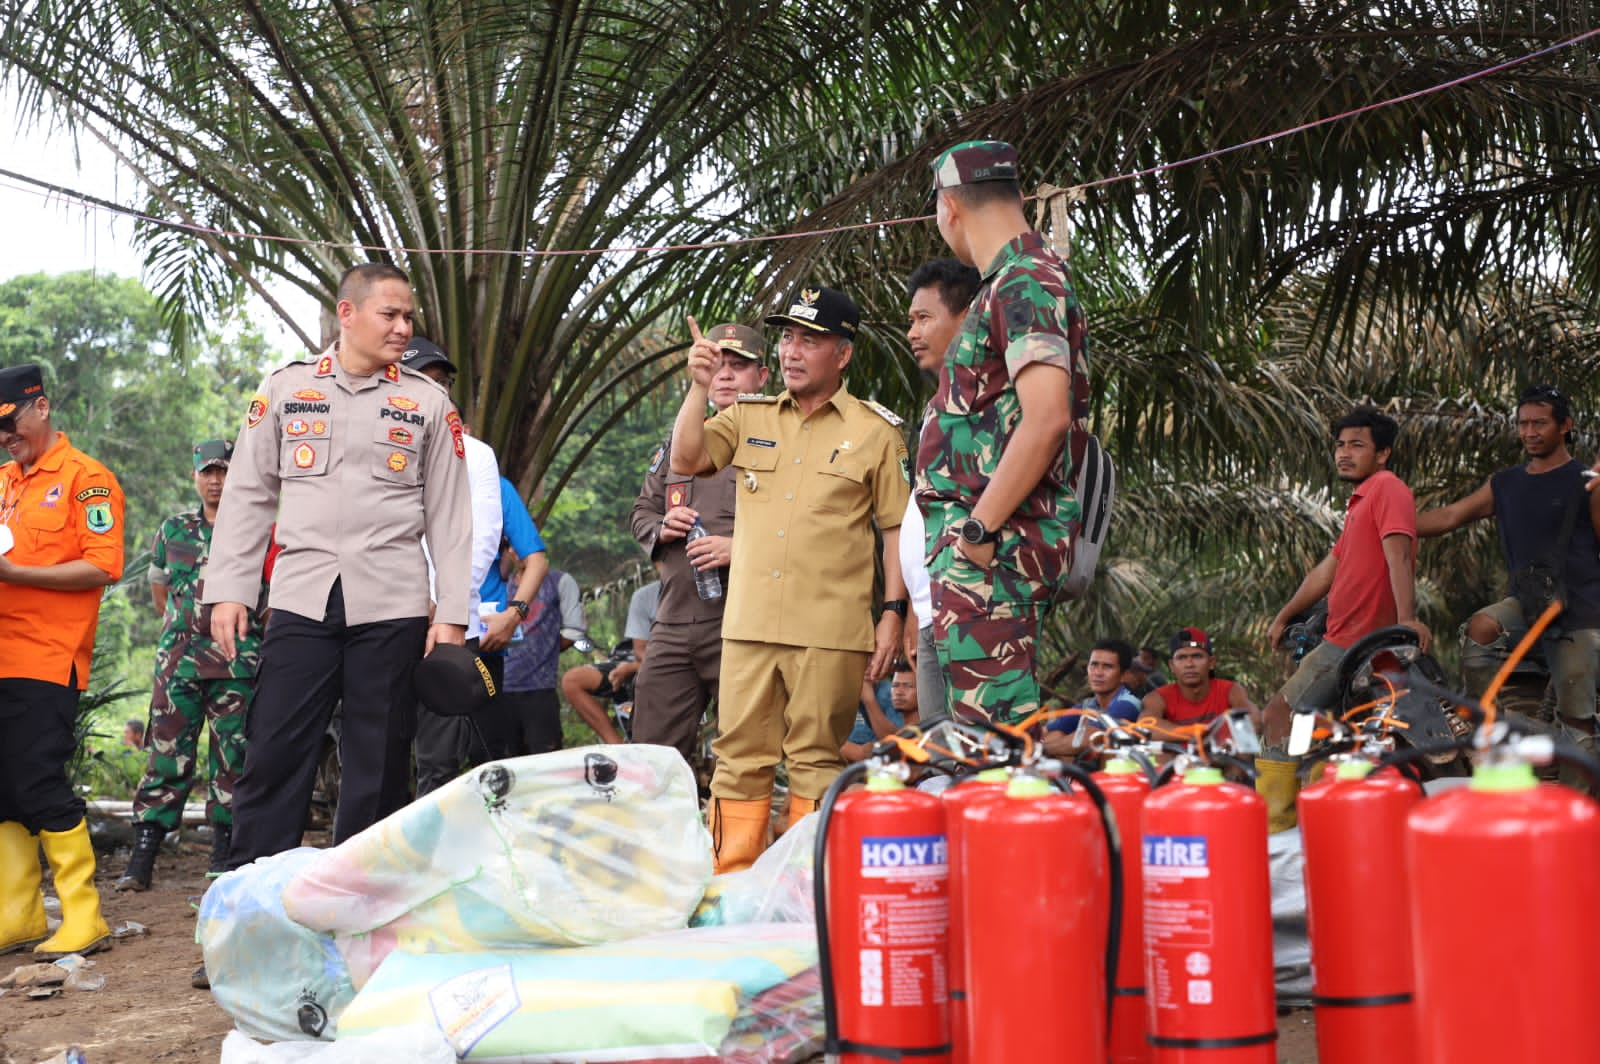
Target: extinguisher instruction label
1176,857
903,915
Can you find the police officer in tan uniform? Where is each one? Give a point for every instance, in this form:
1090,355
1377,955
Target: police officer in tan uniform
356,458
817,469
678,679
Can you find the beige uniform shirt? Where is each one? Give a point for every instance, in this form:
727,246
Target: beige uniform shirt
354,471
810,489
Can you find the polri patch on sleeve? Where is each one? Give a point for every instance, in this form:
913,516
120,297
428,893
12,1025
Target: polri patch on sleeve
256,411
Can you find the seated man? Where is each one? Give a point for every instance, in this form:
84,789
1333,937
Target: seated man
589,687
877,720
1109,659
1196,697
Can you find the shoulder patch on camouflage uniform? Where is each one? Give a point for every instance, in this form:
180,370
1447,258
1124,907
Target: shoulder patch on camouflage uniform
756,397
884,412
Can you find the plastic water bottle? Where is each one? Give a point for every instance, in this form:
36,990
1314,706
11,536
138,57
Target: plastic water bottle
706,581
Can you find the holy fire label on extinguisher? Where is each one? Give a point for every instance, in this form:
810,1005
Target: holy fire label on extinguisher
904,917
1178,920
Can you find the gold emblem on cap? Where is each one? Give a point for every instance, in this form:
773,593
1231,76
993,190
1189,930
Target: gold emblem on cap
808,296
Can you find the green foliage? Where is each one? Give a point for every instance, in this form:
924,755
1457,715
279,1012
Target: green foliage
101,766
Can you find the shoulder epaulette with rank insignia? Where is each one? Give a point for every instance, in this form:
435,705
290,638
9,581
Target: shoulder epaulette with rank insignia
756,397
884,412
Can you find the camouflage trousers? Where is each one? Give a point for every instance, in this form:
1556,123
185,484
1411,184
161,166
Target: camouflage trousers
179,708
987,642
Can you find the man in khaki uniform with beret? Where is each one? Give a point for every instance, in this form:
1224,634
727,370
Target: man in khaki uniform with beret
817,469
357,458
678,679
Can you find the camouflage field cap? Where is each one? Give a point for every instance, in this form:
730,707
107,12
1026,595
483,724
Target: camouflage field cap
825,310
973,162
740,340
212,453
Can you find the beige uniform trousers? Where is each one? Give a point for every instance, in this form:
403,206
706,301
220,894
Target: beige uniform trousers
778,701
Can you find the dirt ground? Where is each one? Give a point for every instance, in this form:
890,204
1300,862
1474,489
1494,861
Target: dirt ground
148,1014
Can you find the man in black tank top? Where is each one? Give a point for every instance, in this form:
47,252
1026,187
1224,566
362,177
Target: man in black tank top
1529,503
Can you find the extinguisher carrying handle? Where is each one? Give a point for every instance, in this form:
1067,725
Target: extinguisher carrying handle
1108,824
819,899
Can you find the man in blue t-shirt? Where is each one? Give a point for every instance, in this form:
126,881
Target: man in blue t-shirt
1108,660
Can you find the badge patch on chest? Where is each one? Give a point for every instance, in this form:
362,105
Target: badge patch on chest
310,395
677,494
305,456
319,427
398,435
757,442
401,402
298,427
397,461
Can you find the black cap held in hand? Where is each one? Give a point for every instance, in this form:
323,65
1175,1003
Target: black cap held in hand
452,681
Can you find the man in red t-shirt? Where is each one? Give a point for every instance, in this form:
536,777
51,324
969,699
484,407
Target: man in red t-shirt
1195,696
1369,580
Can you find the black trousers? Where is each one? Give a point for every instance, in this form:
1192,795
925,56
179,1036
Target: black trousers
447,746
537,718
307,666
37,720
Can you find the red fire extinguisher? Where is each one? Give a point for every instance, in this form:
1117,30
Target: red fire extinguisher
1208,923
1036,898
1504,877
1353,828
986,786
1126,787
882,880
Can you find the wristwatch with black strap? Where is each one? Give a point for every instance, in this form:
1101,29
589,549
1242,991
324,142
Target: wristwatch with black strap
520,606
896,606
975,532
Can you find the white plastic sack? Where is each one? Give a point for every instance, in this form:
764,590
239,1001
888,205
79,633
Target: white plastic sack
277,979
576,847
416,1044
776,889
1291,946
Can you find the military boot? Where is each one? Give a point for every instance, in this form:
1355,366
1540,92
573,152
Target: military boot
142,862
798,808
221,841
22,922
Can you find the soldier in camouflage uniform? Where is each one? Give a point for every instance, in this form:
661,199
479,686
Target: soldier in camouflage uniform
991,467
195,686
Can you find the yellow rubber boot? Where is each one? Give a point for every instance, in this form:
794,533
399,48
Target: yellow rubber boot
21,905
799,807
83,929
739,830
1279,783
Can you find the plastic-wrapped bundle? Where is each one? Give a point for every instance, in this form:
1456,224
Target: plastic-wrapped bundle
575,847
669,996
776,889
277,979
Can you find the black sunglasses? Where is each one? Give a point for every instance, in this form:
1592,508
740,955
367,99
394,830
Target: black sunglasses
9,422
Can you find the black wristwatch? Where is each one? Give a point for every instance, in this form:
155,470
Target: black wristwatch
520,606
896,606
974,531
